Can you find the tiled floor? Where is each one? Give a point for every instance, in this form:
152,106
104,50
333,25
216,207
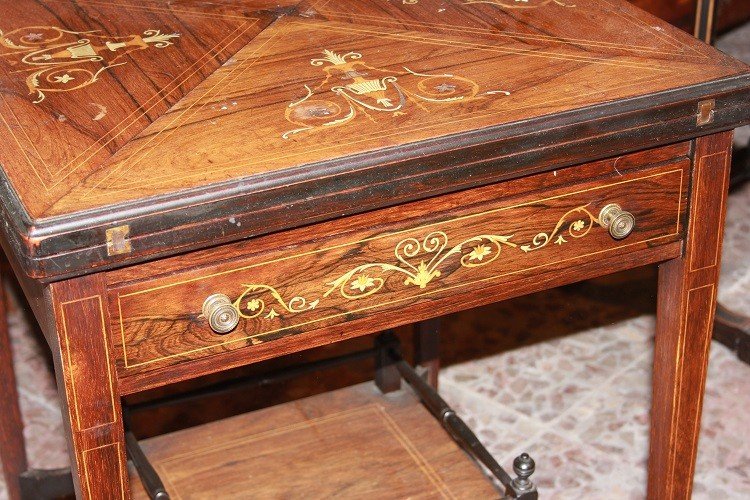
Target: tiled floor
579,403
582,412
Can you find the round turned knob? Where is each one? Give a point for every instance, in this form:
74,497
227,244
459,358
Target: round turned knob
524,467
222,316
619,222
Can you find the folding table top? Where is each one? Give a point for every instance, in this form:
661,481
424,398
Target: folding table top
180,117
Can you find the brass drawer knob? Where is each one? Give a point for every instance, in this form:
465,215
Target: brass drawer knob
619,222
222,316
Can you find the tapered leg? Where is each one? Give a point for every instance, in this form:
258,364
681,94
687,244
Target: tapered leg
387,377
88,389
427,348
12,449
686,305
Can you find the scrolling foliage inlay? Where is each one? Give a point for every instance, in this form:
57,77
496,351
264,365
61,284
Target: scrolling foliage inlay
418,261
58,60
351,87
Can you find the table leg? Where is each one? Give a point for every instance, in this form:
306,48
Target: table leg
387,377
88,389
686,303
427,348
12,448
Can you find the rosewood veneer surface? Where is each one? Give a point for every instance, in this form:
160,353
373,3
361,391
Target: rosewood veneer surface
337,168
351,443
194,123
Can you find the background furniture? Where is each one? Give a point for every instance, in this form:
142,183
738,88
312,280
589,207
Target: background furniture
682,13
731,328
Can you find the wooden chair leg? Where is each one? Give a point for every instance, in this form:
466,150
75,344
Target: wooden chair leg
89,395
686,303
12,448
427,348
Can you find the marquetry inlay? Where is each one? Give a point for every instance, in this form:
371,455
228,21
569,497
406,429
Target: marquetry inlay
418,260
58,60
285,292
363,89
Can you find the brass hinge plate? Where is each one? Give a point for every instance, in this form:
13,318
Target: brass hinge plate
118,240
706,111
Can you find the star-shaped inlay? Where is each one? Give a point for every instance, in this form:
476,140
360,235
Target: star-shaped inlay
64,78
33,37
318,112
445,87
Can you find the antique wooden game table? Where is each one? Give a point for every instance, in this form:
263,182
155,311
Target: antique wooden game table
193,186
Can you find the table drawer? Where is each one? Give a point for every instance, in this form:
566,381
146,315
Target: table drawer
449,252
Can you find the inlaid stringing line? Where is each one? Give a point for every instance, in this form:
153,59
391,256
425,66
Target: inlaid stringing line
422,228
127,164
513,34
228,166
183,116
679,202
719,228
707,337
414,453
188,112
665,36
704,367
20,146
106,354
160,95
158,98
119,467
154,8
495,48
392,302
668,39
395,301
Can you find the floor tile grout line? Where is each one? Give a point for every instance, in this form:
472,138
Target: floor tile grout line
551,427
605,384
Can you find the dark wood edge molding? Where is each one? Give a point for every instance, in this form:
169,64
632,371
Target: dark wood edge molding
57,248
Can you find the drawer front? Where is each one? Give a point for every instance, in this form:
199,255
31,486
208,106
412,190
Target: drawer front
446,250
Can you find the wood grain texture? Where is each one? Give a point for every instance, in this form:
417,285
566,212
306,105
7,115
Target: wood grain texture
686,304
389,262
309,447
12,447
325,109
124,78
88,389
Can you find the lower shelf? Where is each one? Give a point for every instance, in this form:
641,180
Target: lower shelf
351,443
